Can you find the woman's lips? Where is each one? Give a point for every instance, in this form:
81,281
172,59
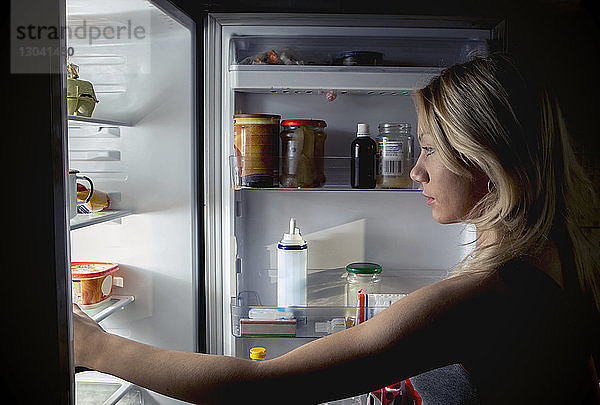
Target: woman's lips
430,200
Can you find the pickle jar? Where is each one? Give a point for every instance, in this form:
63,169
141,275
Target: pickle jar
302,153
362,277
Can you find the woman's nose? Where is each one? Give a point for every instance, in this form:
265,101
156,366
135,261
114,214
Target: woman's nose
418,173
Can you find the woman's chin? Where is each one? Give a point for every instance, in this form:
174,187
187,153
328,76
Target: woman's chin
444,219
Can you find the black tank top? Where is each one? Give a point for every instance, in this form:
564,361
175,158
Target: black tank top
533,348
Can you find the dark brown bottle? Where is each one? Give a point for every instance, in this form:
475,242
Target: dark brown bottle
362,165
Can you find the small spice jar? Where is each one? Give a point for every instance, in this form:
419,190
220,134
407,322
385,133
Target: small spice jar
302,153
362,277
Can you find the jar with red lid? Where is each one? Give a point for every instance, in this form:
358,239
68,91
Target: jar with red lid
302,153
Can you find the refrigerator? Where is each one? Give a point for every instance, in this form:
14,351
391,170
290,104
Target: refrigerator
196,249
342,225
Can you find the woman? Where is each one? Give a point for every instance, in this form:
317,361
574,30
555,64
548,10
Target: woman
518,319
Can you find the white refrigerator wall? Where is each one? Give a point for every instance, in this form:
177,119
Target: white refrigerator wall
147,84
394,229
341,114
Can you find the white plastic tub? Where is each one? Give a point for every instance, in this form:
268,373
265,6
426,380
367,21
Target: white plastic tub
92,283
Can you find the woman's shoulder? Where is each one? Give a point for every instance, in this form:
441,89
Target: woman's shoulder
517,289
522,278
515,276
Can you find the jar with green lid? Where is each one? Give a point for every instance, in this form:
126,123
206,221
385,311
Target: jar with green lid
362,277
258,353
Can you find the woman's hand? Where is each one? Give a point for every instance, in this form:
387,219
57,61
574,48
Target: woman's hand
87,338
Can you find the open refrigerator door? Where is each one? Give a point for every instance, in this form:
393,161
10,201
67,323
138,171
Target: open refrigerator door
326,73
132,133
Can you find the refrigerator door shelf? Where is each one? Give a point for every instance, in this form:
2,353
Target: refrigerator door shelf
96,121
94,155
114,303
83,220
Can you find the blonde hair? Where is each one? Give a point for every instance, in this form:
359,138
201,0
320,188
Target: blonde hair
483,116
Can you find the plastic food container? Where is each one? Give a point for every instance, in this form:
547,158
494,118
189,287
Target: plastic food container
360,58
92,283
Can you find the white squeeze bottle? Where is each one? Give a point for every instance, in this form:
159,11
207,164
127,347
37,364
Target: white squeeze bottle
292,253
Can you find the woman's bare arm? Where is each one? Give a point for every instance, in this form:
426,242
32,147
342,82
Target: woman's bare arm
193,377
402,341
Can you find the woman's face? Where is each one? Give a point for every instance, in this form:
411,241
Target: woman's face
450,196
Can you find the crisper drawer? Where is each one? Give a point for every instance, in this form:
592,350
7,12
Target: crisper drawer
305,321
301,322
331,306
93,388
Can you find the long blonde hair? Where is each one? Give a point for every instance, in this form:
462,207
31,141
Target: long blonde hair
483,116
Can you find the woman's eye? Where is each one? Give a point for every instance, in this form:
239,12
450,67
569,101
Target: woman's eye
428,149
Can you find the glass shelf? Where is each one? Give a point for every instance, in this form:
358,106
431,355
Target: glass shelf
396,81
330,188
97,121
336,170
83,220
113,304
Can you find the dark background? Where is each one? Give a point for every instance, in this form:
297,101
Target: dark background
557,40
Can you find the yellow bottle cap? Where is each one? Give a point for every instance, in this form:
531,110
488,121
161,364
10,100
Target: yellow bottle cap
258,353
